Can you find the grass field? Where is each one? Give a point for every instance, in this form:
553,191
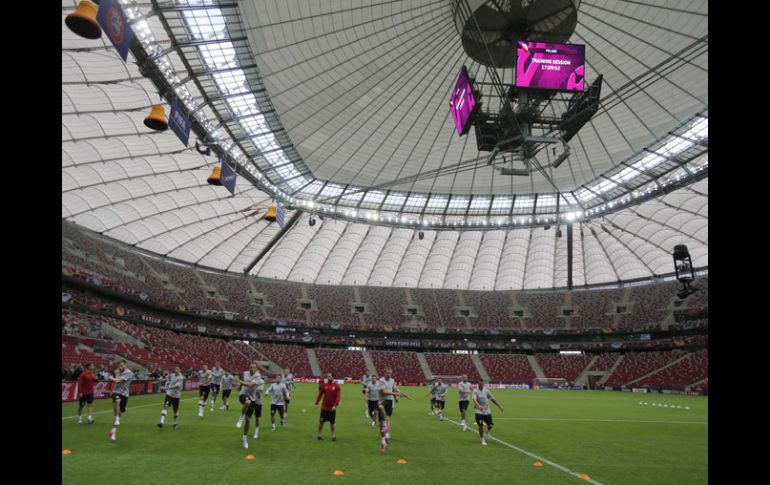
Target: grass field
605,435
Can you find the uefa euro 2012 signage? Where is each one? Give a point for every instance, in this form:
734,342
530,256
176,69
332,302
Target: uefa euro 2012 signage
179,122
114,24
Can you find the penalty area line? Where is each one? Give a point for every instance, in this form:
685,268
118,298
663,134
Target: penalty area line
539,458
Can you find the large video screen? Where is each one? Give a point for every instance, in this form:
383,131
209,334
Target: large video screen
542,65
462,102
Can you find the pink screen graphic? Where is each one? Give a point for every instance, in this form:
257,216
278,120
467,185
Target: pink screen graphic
541,65
462,102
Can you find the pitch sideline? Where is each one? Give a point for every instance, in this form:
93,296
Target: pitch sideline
520,450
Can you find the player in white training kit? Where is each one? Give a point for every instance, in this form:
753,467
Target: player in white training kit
205,386
216,382
432,395
252,386
481,398
278,393
365,380
227,385
465,388
388,393
173,386
288,379
441,390
120,394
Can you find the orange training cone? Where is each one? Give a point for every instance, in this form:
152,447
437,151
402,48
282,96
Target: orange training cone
339,472
401,461
584,476
538,464
250,457
66,452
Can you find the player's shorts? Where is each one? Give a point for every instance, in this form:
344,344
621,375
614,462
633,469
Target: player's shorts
484,418
204,391
226,393
287,401
328,416
463,406
439,404
373,406
432,401
87,399
363,391
215,388
253,409
277,407
123,400
172,401
388,405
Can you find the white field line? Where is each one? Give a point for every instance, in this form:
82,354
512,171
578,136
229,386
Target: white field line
606,420
539,458
158,404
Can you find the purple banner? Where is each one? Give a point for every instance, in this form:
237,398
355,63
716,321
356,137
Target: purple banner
462,102
115,26
227,177
179,123
541,65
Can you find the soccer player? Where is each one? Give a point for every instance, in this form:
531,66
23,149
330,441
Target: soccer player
204,388
278,394
227,385
388,392
216,382
120,394
465,388
441,390
86,393
481,398
288,379
432,395
330,391
252,385
365,380
173,386
372,394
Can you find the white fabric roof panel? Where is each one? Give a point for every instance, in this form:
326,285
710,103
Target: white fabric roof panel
332,89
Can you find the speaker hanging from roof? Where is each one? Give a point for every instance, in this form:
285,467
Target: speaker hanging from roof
83,20
156,120
501,24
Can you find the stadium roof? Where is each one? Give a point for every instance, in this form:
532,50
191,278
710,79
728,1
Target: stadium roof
326,107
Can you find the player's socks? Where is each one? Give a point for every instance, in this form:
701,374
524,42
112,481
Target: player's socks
256,432
273,426
113,433
80,419
374,423
483,442
245,442
240,422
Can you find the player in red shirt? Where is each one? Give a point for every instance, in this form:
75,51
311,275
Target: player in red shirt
330,391
86,393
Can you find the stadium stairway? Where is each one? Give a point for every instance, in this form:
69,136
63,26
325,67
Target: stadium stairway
611,371
313,362
370,363
582,378
686,356
480,367
120,336
424,366
535,366
688,386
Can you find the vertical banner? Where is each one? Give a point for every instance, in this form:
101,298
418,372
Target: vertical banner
281,215
179,122
115,25
227,177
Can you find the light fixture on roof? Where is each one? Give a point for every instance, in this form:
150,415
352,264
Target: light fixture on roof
206,151
156,120
685,272
83,20
215,177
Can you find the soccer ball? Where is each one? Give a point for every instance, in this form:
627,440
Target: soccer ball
304,410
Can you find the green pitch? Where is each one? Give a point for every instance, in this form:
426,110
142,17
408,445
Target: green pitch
605,435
